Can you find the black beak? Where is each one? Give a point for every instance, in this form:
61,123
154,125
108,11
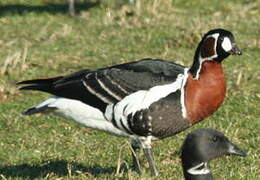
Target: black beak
235,50
234,150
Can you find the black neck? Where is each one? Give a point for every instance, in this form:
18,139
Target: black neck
196,62
196,66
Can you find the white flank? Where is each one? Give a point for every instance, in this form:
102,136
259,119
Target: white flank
46,102
81,113
196,170
201,60
141,100
226,44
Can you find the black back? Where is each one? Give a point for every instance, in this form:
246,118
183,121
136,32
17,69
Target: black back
121,80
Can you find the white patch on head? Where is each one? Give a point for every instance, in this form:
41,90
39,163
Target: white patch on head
199,169
226,44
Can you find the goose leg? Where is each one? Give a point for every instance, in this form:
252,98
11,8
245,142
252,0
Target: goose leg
136,147
149,155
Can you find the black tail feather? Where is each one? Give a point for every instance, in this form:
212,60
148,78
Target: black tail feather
40,81
70,86
30,111
44,88
34,110
33,87
45,85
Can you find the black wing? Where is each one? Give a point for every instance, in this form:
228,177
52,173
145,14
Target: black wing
109,85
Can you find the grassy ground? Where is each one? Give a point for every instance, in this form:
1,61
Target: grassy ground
39,39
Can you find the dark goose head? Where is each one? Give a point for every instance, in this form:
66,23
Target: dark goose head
216,45
201,146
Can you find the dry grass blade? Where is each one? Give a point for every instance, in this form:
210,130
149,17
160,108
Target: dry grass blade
10,62
121,163
14,62
23,59
3,177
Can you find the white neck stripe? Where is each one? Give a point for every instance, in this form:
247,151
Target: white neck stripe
196,170
201,60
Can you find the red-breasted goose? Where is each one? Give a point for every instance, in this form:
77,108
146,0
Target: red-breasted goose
145,100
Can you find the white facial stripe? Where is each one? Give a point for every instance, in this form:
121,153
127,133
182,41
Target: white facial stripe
226,44
199,169
215,36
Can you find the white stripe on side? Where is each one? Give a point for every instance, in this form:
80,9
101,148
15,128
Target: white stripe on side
141,100
116,84
107,89
92,91
183,105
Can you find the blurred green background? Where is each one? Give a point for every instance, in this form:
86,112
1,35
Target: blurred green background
38,38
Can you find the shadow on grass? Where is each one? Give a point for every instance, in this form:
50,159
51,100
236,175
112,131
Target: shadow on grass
58,168
51,8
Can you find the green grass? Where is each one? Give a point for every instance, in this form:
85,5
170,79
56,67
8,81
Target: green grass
39,40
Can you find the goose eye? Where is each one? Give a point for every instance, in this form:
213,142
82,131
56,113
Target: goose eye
221,38
214,139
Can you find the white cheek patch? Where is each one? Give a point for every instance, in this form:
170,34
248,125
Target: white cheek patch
226,44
